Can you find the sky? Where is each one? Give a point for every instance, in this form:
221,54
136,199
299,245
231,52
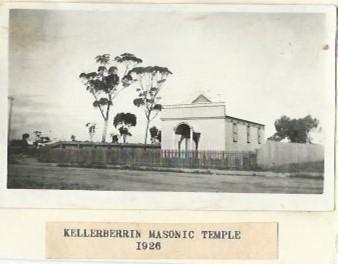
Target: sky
262,65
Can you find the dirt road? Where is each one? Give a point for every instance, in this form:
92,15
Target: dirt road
44,176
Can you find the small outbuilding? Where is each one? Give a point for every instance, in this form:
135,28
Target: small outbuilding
204,125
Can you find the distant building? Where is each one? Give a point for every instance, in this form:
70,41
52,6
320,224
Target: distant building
204,125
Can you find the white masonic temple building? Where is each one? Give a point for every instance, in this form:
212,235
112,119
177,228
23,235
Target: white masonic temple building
205,125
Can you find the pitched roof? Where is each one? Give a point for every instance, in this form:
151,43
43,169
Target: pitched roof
243,120
201,99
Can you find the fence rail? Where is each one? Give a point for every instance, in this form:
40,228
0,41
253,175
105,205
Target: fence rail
205,155
144,156
209,159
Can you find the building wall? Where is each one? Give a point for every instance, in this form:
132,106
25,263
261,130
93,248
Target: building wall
205,118
242,142
212,133
193,111
215,127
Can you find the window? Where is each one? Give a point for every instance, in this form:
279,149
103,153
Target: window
259,135
234,132
248,136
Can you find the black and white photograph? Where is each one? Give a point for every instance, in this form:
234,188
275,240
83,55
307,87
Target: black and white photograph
176,98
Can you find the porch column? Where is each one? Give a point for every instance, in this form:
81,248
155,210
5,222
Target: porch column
191,140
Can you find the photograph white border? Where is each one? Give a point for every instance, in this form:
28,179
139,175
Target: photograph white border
10,198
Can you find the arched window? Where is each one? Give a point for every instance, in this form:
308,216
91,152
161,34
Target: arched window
184,131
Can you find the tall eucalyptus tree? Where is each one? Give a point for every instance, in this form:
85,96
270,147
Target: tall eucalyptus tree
105,84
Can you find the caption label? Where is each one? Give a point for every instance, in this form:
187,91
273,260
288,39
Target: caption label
81,240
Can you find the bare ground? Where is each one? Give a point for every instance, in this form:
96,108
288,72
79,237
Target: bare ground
48,176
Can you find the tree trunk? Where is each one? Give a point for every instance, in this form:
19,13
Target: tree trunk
147,128
104,133
106,119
